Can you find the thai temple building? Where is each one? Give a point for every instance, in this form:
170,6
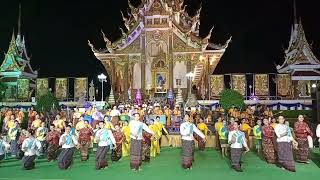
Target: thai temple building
300,62
16,65
160,47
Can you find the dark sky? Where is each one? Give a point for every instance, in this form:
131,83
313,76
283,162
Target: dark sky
56,32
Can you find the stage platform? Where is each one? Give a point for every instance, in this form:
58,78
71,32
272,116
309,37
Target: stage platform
208,165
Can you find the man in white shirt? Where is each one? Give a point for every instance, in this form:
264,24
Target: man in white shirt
318,133
136,128
68,142
30,147
237,141
186,130
285,142
4,146
105,141
115,112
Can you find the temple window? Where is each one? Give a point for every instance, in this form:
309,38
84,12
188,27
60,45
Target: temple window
156,20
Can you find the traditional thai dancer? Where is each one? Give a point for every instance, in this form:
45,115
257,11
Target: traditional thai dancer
204,129
136,128
257,132
126,143
104,139
268,142
30,147
302,131
13,137
186,130
223,138
154,143
68,143
4,146
285,142
41,133
237,141
85,137
318,133
53,143
161,131
119,138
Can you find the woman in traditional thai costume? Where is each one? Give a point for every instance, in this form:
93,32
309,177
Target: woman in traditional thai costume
52,139
30,147
68,143
85,137
186,130
32,114
302,131
119,138
285,142
41,133
257,132
217,126
13,135
4,146
237,141
154,143
223,138
105,140
136,129
146,146
204,129
268,143
126,143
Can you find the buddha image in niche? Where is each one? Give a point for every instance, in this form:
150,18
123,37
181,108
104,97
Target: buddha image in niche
161,80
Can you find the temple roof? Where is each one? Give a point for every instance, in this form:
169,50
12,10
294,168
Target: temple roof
16,59
183,25
299,52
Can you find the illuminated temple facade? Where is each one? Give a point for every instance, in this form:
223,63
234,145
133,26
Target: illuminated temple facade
161,46
16,68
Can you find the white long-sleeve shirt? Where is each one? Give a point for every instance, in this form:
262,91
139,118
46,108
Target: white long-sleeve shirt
282,129
3,146
187,129
136,128
318,132
68,141
30,146
105,137
240,139
115,112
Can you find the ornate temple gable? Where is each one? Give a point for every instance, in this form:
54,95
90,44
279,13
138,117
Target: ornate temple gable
16,58
298,55
156,7
184,44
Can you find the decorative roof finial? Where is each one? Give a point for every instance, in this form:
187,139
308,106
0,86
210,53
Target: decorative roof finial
19,20
294,12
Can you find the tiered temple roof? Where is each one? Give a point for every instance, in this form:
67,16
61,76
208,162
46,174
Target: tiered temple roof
16,63
184,27
300,61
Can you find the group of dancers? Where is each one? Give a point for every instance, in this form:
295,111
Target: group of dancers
140,138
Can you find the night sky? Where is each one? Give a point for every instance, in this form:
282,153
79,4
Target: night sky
56,32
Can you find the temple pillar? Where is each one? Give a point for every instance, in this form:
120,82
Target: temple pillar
126,80
170,62
143,61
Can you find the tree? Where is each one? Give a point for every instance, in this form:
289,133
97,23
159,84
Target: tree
47,103
230,97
